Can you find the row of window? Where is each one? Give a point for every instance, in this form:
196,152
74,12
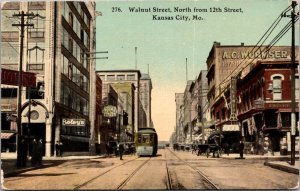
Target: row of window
75,130
118,77
75,24
73,100
66,11
74,74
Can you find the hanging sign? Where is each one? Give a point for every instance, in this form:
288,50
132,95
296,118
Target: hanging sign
109,111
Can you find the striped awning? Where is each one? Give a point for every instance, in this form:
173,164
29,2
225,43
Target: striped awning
6,135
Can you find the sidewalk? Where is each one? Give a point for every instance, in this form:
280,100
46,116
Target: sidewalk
275,161
8,163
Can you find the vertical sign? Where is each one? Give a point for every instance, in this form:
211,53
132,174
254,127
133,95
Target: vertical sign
233,98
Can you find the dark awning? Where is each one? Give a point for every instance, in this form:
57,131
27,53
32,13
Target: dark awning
5,135
75,138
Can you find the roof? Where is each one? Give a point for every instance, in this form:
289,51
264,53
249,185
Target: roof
145,76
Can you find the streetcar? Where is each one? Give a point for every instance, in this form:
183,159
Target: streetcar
146,142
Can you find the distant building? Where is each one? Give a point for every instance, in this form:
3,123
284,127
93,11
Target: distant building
145,97
187,109
179,117
128,76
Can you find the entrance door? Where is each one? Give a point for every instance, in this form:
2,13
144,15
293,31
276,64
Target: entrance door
35,131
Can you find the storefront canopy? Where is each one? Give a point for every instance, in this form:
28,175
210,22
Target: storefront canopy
6,135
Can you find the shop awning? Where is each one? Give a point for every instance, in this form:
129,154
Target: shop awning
6,135
75,138
231,128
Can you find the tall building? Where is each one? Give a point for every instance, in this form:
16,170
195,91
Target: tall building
114,77
187,109
145,97
179,116
57,50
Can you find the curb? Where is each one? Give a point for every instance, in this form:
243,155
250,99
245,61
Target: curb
282,167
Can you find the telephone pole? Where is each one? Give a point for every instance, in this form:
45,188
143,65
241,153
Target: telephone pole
293,114
21,162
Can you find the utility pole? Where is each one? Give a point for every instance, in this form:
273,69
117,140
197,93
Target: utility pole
19,121
135,48
293,114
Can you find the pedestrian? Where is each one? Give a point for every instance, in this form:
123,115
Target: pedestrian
40,152
121,150
107,148
23,148
61,148
57,148
241,148
34,153
226,148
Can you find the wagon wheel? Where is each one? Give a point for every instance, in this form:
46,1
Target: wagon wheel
207,152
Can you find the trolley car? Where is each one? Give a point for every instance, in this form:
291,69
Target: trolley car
146,142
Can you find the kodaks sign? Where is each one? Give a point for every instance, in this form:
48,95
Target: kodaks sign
73,122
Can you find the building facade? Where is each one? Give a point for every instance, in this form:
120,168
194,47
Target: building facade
179,116
145,97
56,51
228,64
264,107
128,76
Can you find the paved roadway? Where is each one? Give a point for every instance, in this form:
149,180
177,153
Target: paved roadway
168,170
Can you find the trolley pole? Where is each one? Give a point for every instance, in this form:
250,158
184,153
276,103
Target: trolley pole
293,114
19,121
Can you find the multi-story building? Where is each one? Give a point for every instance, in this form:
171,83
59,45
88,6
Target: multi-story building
225,61
179,123
199,106
108,125
145,97
57,50
187,121
227,64
125,76
264,106
125,92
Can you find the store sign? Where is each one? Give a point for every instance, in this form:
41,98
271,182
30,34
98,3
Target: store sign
10,77
109,111
233,99
262,54
73,122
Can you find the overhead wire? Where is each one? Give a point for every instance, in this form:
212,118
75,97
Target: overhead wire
273,26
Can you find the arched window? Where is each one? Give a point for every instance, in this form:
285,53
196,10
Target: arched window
277,90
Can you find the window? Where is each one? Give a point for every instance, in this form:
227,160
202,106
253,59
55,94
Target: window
120,77
70,70
71,19
36,53
9,53
8,92
277,91
102,77
130,77
110,77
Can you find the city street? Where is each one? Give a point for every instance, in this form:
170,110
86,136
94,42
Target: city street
168,170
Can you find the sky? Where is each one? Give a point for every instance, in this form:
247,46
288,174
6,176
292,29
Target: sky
164,45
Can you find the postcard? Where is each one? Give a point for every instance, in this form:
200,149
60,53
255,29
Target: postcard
156,95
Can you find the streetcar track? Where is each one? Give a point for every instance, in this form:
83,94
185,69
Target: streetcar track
126,180
169,181
206,179
101,174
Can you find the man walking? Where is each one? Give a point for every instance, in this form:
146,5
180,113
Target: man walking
121,150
